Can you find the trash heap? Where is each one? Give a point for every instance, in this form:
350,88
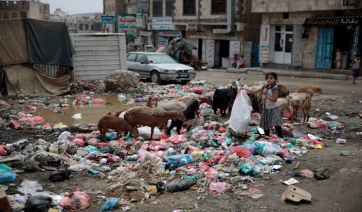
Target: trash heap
209,158
181,50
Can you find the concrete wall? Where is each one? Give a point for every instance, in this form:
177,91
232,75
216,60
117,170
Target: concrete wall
33,11
309,48
269,6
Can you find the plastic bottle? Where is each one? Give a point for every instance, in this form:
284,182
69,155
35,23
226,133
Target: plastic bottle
340,141
132,157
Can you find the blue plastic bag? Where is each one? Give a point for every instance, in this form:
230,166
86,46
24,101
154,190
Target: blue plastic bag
110,204
176,161
6,174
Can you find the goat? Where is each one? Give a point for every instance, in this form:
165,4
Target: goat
309,89
151,102
118,124
284,104
305,107
151,117
189,113
297,101
258,99
222,99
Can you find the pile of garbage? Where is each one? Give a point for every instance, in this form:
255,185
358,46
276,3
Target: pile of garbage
208,159
181,50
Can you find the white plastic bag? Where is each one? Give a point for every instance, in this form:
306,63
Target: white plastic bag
146,132
240,113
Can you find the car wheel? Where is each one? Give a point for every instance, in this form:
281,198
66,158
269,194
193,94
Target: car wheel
155,77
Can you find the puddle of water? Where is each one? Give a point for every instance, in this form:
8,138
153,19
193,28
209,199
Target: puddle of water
90,113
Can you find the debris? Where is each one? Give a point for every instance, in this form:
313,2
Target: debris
296,194
291,181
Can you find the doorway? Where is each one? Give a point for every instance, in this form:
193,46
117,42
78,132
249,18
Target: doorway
324,50
283,44
224,51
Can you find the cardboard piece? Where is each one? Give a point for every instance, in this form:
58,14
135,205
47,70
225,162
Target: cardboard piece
296,194
4,202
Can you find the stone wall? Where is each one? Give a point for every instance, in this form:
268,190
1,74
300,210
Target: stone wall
309,48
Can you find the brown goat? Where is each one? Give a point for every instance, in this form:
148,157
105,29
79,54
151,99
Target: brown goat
305,107
118,124
151,117
151,102
309,89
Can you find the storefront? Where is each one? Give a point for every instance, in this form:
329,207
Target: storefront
339,38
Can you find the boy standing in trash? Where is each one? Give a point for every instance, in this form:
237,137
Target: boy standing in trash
356,68
271,114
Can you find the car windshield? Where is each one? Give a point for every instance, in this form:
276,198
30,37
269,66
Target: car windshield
160,58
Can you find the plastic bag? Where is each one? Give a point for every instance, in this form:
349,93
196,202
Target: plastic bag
178,185
64,136
248,169
217,188
3,151
59,175
29,187
77,200
110,204
37,204
211,174
306,173
176,161
251,147
266,148
240,151
177,139
240,113
6,174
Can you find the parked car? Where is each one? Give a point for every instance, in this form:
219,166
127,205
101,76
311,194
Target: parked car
159,67
141,48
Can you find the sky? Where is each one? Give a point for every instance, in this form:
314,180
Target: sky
75,6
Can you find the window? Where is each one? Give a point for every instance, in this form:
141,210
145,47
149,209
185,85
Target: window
6,15
285,15
157,8
131,57
7,5
218,6
80,26
169,7
92,27
23,15
86,27
129,11
189,7
141,58
25,5
14,15
15,5
45,7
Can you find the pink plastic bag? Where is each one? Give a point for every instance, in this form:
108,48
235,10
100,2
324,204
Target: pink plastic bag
79,142
211,174
240,151
306,173
93,141
217,188
77,200
3,151
177,139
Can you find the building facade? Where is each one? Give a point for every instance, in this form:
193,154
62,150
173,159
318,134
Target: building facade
309,34
218,28
24,9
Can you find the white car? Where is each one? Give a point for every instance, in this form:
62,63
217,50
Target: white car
159,67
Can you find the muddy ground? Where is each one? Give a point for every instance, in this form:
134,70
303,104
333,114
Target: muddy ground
341,192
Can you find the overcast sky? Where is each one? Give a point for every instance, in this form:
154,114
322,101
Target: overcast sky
75,6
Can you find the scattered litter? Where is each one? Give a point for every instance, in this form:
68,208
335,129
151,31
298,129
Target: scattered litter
291,181
296,194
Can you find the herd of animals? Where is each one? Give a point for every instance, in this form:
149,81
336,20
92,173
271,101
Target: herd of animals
159,113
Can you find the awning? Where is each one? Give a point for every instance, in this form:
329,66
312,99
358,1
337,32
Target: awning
145,33
330,21
334,20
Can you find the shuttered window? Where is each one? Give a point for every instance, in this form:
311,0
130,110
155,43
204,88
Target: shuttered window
169,7
157,8
218,7
189,7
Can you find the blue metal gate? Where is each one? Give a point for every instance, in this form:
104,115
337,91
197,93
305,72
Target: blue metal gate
255,55
324,49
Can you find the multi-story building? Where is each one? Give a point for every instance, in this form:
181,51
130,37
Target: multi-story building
70,21
309,34
24,9
218,28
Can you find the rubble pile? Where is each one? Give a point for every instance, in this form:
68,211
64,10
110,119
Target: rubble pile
181,50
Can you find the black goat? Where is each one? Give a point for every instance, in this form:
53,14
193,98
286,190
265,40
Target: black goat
223,98
189,113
